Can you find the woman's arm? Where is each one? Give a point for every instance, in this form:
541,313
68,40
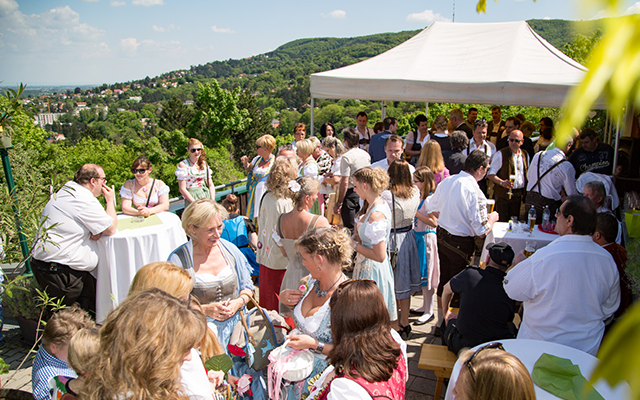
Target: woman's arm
430,219
301,342
127,204
182,185
379,251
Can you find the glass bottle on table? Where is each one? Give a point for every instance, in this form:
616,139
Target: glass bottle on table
546,217
532,220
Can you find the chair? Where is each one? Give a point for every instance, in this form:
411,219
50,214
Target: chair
440,360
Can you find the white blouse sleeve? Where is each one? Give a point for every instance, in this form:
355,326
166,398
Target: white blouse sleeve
125,193
182,173
386,196
376,231
163,190
311,170
346,389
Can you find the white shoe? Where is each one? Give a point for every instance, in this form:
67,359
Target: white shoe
425,318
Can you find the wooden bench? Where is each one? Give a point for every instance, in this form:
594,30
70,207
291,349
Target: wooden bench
440,360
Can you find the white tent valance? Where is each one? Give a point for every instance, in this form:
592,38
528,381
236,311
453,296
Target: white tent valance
469,63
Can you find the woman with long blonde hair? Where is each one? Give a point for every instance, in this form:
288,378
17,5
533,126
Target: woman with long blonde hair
372,234
143,343
194,175
177,282
431,156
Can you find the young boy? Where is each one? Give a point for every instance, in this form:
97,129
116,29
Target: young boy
51,358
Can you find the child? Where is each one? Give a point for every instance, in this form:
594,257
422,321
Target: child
51,358
83,347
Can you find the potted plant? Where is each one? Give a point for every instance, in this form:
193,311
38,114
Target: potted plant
22,300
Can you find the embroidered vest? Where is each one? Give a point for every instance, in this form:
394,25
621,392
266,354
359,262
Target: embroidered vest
508,168
392,389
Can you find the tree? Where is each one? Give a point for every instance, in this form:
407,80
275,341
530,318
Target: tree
581,47
244,140
175,115
217,114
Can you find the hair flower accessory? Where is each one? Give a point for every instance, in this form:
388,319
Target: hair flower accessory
294,186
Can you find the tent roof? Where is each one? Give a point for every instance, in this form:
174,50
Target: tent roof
469,63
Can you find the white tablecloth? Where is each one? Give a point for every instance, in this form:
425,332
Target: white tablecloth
528,351
124,253
517,241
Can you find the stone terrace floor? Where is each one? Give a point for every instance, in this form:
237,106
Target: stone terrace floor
421,384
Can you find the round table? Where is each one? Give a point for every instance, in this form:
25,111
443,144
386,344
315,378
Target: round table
131,248
528,351
517,241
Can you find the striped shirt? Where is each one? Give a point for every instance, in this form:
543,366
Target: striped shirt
45,367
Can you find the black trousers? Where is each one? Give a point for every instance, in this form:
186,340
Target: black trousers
455,254
508,208
59,281
350,207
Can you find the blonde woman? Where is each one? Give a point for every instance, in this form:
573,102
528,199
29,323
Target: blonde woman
277,201
177,282
292,225
194,175
431,156
491,373
372,234
308,165
257,169
143,343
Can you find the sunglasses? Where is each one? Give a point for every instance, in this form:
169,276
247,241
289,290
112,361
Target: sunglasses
138,170
515,140
194,150
494,345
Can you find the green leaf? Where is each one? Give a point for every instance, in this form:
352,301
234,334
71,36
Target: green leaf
481,6
221,362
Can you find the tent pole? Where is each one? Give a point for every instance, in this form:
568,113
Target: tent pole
426,109
311,127
615,153
384,109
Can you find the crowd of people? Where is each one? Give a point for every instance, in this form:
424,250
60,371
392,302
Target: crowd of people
341,234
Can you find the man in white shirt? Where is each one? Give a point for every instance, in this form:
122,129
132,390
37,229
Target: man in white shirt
549,174
569,287
479,142
460,207
506,163
66,250
352,160
393,149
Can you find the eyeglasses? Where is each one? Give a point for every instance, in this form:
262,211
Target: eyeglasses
194,150
559,212
515,140
138,170
494,345
104,178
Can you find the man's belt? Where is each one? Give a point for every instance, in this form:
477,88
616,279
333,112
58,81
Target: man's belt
48,266
443,235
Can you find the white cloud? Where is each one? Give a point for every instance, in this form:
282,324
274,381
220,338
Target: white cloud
131,47
338,14
547,18
116,3
163,29
427,16
147,3
222,30
634,9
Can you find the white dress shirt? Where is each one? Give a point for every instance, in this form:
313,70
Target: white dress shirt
568,289
487,147
461,204
562,176
518,162
384,164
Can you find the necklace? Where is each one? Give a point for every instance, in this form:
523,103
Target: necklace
323,293
265,161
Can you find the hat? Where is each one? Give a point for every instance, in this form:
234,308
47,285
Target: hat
501,253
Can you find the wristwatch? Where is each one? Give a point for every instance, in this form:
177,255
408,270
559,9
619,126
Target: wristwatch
320,347
339,204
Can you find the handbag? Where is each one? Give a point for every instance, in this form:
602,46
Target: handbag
257,334
393,254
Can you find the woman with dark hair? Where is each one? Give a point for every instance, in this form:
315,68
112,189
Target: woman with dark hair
403,199
327,129
142,195
546,134
368,357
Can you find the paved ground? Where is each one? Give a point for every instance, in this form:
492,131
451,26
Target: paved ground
421,384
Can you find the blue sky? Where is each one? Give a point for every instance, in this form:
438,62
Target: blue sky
78,42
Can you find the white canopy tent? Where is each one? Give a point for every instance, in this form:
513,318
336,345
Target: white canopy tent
469,63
